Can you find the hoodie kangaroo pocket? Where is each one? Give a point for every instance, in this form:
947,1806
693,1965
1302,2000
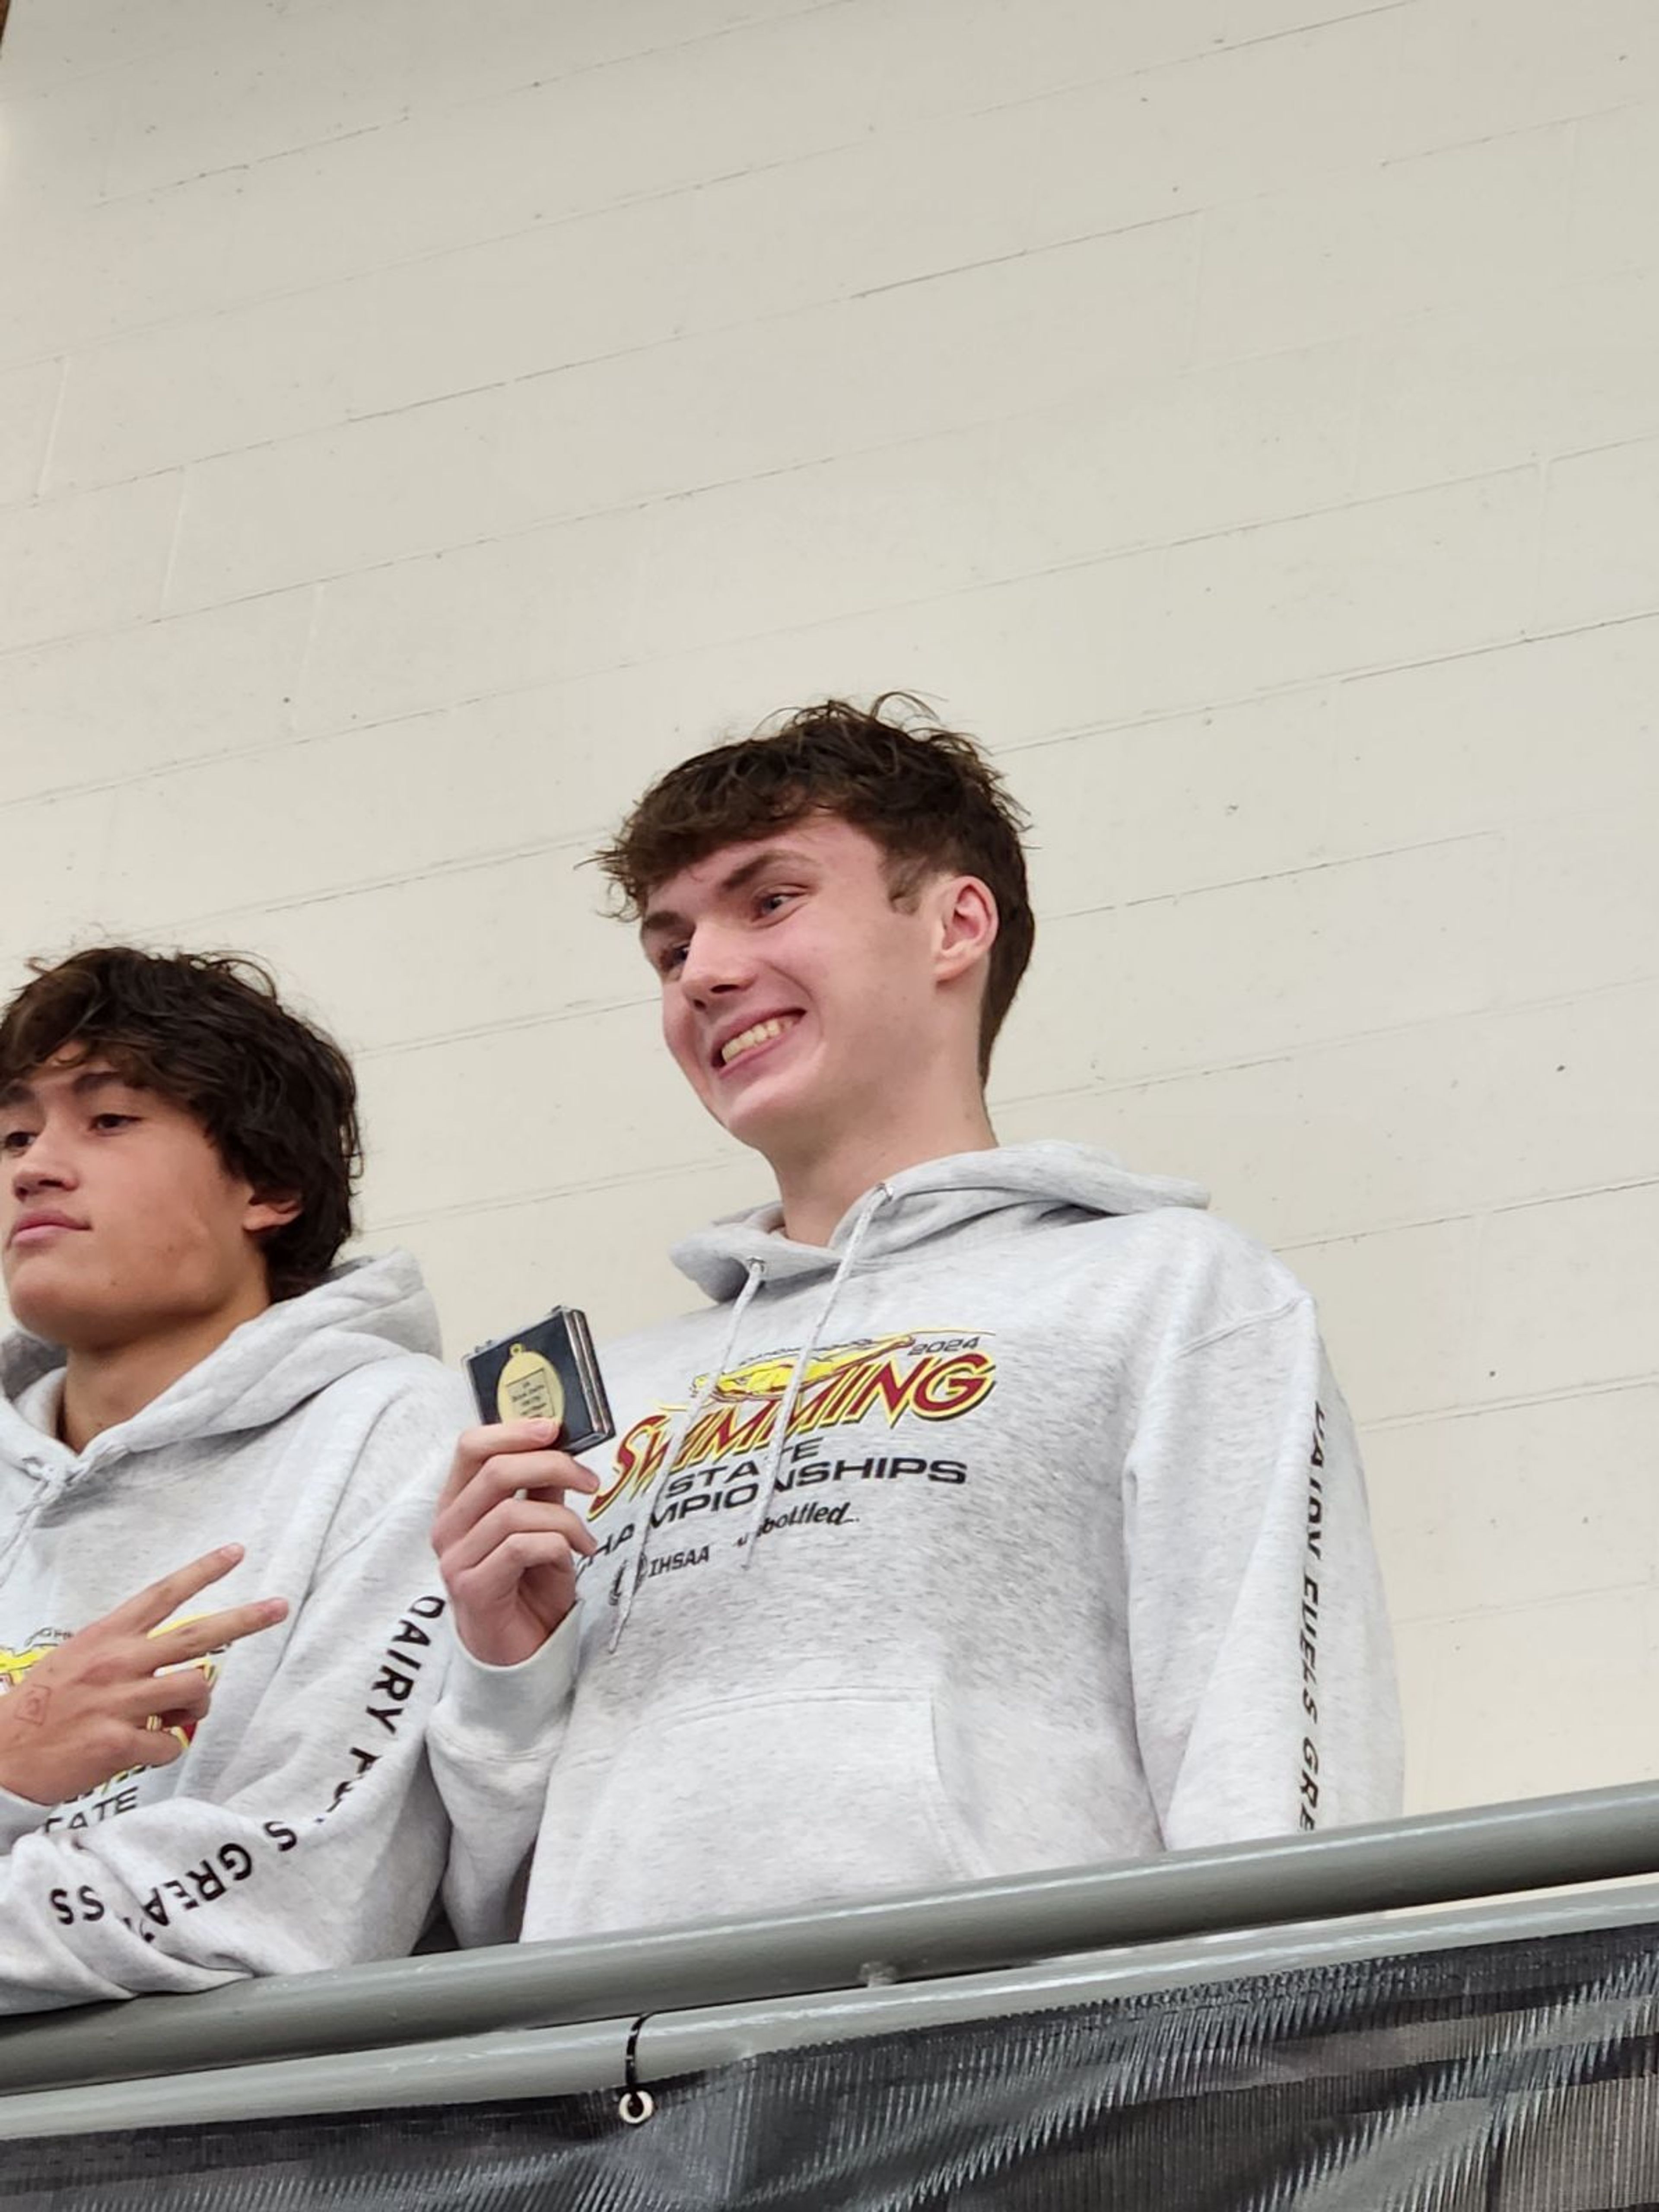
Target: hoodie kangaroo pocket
751,1804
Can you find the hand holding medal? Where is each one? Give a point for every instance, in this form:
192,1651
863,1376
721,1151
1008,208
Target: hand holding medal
507,1543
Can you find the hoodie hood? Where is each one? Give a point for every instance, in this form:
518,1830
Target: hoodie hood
933,1199
363,1311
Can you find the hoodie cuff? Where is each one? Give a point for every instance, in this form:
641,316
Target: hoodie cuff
508,1713
20,1817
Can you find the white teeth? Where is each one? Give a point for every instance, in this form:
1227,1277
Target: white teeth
762,1033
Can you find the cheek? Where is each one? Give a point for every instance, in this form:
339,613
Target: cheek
677,1034
173,1217
879,986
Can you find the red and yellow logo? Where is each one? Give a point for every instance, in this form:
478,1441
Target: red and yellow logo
890,1376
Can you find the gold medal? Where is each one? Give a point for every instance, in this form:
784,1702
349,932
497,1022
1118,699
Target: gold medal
529,1389
546,1372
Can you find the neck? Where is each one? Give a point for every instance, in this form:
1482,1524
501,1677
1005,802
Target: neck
109,1384
818,1190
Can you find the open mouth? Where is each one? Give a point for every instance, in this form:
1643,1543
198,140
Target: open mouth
753,1039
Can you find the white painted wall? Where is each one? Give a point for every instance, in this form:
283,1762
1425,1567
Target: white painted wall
419,424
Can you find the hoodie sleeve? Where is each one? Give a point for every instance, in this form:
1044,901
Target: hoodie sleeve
493,1742
1263,1662
323,1842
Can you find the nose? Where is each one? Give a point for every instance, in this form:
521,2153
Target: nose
44,1166
715,963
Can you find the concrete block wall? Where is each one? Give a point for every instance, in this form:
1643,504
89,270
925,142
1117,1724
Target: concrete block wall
419,425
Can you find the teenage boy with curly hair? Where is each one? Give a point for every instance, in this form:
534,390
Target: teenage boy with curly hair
999,1511
211,1759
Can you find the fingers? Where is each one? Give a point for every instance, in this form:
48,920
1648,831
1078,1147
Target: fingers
180,1693
154,1746
151,1607
474,1446
513,1518
194,1639
544,1473
498,1575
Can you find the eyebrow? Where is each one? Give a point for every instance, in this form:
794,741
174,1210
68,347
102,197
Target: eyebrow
663,922
82,1087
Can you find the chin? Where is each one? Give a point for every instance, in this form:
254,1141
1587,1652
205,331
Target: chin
779,1124
26,1285
62,1312
755,1139
36,1310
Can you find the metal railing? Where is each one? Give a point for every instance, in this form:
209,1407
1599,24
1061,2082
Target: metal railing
540,2020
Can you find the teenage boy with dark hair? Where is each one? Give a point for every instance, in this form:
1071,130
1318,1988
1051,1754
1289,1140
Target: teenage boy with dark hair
1001,1512
211,1761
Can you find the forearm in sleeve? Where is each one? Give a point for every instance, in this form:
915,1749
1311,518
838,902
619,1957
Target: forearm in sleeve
323,1842
494,1742
1263,1665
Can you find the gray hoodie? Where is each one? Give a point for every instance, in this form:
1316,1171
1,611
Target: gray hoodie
300,1827
1021,1527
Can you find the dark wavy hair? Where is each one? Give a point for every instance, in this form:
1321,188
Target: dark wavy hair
276,1096
925,795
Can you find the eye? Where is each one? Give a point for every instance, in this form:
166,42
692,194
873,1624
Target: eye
769,903
113,1121
671,958
14,1141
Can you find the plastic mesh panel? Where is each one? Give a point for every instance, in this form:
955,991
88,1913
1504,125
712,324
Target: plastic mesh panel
1515,2078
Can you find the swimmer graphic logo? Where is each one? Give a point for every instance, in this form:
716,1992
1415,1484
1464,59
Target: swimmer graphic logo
933,1376
768,1377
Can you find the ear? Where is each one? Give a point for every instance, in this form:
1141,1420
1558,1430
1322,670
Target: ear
967,927
266,1210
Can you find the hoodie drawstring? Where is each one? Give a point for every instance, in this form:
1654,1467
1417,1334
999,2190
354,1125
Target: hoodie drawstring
632,1578
878,1198
677,1437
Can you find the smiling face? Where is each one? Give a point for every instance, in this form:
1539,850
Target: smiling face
799,998
119,1220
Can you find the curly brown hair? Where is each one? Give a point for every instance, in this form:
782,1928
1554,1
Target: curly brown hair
925,795
276,1096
